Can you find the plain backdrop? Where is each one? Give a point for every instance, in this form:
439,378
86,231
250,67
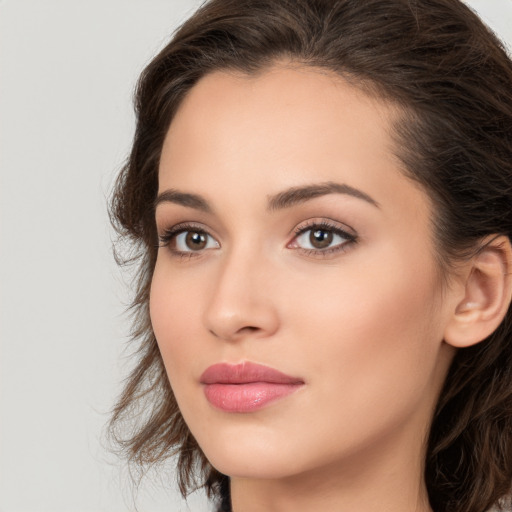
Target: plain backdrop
67,72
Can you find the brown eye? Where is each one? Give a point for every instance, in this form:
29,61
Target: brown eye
320,238
182,240
196,241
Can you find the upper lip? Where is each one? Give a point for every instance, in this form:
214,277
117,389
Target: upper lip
244,373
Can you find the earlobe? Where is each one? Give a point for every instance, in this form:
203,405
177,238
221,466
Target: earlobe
487,295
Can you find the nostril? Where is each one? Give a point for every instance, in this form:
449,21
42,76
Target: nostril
249,328
244,330
232,318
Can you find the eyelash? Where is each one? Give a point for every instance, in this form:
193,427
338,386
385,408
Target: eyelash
172,233
323,225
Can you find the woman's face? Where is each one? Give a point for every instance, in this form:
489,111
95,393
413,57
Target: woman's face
291,239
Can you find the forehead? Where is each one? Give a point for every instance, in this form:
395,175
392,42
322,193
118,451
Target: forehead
287,126
284,104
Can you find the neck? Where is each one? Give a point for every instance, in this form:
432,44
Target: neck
389,481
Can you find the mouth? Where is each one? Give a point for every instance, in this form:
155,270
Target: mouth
246,387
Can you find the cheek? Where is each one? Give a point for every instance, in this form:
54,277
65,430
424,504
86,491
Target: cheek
174,309
371,329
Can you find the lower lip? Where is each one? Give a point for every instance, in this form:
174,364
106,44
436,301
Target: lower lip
246,397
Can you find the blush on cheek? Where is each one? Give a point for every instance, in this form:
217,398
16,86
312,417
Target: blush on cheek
377,330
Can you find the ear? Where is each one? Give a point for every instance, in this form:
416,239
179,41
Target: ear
486,294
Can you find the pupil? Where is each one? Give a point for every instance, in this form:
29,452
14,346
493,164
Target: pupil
321,238
196,241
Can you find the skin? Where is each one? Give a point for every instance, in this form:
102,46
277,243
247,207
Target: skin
362,326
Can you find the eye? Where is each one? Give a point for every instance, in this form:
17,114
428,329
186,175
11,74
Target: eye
193,241
321,238
187,239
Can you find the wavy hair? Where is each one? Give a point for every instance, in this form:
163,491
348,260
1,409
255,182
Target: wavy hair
452,80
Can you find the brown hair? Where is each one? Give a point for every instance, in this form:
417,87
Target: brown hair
452,80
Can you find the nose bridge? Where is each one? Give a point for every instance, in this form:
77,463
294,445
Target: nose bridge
241,300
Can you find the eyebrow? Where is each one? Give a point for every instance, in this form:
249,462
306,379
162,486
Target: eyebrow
279,201
297,195
189,200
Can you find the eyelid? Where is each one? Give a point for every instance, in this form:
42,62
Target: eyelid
327,223
167,235
340,229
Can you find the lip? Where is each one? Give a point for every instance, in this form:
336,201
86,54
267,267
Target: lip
246,387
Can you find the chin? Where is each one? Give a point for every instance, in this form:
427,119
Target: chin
253,465
250,453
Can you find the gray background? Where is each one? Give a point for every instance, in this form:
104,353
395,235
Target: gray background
67,71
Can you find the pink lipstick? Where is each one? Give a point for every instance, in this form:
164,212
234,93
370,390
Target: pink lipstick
246,387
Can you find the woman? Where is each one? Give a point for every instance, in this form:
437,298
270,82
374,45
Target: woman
321,194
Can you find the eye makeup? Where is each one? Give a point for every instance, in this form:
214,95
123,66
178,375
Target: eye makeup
320,238
324,238
187,238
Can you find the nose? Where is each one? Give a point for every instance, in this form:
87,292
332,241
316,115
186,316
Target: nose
242,302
